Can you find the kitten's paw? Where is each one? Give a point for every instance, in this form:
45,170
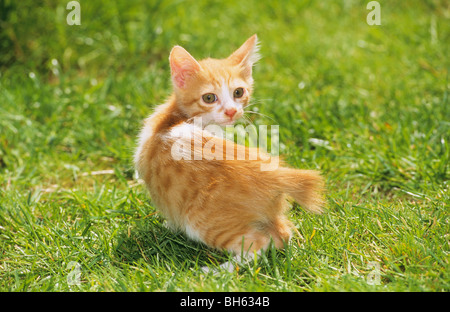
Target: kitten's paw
228,266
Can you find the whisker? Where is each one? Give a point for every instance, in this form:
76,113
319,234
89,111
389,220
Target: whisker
254,101
248,120
251,104
257,113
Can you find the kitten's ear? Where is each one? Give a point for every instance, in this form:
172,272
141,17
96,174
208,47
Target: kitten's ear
182,65
246,55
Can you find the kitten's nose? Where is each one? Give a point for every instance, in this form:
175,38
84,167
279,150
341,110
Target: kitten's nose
230,112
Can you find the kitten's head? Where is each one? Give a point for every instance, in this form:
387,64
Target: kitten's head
215,89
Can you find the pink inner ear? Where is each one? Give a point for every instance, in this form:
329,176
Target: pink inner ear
177,73
183,66
179,80
182,70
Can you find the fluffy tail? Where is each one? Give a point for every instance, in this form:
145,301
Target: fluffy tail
305,186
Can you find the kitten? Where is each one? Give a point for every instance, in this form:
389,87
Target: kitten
227,204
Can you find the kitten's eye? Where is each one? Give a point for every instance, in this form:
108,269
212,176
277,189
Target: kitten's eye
209,98
239,92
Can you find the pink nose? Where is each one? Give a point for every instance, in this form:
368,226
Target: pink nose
230,112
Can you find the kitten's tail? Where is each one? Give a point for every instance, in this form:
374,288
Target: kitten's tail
305,186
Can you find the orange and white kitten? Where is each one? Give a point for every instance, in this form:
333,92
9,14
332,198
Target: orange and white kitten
228,204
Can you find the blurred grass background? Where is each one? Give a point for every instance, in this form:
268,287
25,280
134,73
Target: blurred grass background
367,105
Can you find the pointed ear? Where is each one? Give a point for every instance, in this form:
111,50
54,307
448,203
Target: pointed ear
246,55
182,65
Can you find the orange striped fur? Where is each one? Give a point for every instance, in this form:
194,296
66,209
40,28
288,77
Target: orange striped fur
227,204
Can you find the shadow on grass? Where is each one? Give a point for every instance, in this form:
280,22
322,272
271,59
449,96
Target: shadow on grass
153,242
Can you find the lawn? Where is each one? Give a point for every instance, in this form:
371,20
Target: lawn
365,104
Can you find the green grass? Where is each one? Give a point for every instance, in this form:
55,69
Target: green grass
367,105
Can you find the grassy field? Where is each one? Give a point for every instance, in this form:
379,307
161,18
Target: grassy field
366,105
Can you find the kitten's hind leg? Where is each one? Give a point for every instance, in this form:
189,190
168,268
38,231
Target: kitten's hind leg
281,231
245,249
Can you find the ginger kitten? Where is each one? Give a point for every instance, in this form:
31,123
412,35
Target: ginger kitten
227,204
